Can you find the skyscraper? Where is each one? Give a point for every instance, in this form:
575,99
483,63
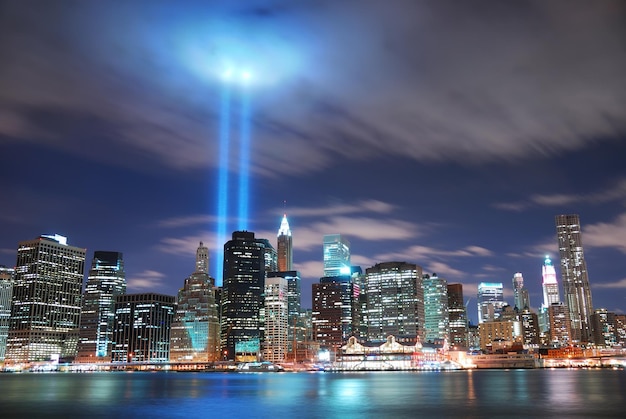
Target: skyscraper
275,347
46,303
294,298
458,317
242,296
490,301
560,324
195,335
549,285
436,320
106,280
284,246
141,331
336,255
520,293
574,276
6,292
394,302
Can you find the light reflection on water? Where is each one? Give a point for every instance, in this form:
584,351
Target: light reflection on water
490,393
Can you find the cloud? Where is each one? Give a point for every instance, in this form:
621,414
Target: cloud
429,80
611,285
371,205
187,245
145,280
185,221
443,270
609,234
418,252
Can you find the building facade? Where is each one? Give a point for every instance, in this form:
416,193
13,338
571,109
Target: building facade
105,281
436,317
336,255
294,297
394,302
46,302
284,246
520,292
574,277
275,347
6,293
457,313
560,325
490,301
141,331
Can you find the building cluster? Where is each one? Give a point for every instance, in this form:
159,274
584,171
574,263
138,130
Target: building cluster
46,315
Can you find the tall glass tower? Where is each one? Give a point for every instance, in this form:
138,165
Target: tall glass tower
284,246
574,276
490,301
458,317
437,320
336,255
106,280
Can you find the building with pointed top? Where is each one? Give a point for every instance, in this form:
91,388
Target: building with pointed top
520,293
285,246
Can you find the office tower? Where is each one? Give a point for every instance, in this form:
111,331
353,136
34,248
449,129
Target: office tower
394,302
560,324
6,292
141,331
549,284
603,326
457,313
105,281
242,297
504,333
195,334
294,296
520,293
275,348
490,301
620,329
284,246
270,257
46,303
436,320
336,255
530,326
335,311
574,276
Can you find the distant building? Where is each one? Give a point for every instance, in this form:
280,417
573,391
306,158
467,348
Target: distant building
603,326
105,281
530,327
195,334
494,331
46,303
142,325
6,292
242,296
436,319
490,301
457,313
270,257
336,255
284,246
294,296
275,348
560,325
574,276
394,302
520,293
551,294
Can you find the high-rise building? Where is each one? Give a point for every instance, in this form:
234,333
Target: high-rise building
242,296
141,331
270,256
549,284
436,320
603,327
336,255
195,334
6,292
574,276
458,317
560,324
46,303
530,326
490,301
105,281
335,311
520,293
284,246
294,297
275,347
394,302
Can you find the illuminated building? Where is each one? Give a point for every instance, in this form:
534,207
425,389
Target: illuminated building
551,294
530,327
336,255
46,303
195,335
560,324
436,318
284,246
490,301
242,297
620,329
105,281
520,293
394,302
294,295
270,256
6,292
603,327
335,311
574,276
275,348
499,332
457,312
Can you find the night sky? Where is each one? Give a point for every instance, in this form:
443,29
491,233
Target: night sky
443,133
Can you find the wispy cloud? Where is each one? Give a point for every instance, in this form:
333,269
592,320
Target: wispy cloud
185,221
145,280
610,234
367,206
186,245
418,252
611,285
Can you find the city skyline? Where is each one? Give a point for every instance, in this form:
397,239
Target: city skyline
433,133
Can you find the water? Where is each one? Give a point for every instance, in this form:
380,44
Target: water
469,394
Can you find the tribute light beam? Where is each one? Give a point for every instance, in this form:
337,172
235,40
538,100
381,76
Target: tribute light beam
244,154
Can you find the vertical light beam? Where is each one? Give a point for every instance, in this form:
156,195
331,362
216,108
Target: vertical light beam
222,194
244,159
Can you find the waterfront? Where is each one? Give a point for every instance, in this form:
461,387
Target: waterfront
488,393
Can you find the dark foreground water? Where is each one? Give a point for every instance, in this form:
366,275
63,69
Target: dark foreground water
470,394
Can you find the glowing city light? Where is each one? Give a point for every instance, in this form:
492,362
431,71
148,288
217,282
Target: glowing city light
244,160
222,192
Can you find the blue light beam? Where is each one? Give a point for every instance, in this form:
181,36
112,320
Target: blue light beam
244,160
222,194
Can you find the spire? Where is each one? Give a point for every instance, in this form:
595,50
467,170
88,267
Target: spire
284,227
